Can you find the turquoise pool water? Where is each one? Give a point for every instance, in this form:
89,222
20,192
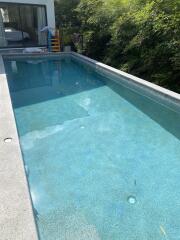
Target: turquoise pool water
102,161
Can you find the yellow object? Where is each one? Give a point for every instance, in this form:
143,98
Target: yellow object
55,42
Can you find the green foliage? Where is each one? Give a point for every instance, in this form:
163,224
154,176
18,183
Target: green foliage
141,37
65,14
66,19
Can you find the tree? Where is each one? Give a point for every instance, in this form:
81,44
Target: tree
137,36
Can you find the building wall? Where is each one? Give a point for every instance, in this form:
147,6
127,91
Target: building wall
49,7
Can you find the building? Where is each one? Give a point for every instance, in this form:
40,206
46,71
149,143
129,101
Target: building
21,22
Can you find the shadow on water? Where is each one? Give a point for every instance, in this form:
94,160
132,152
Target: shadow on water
31,82
164,116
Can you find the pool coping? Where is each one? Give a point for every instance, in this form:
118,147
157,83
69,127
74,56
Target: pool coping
17,219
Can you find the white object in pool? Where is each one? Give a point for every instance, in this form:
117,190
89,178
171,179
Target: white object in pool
132,199
35,62
14,67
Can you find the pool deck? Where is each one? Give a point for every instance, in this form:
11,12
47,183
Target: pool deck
16,218
16,214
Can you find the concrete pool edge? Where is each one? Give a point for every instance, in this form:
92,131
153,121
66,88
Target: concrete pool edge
157,93
16,218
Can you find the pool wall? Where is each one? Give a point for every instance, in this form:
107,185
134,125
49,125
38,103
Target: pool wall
164,96
16,218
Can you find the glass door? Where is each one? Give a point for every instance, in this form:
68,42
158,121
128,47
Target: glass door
29,25
21,25
33,19
11,35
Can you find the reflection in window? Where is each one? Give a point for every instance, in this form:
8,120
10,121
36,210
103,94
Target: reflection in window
20,25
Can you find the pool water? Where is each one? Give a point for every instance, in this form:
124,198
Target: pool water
102,161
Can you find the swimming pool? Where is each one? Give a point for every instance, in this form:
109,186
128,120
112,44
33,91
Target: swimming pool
102,160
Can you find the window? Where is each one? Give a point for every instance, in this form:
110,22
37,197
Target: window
21,24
